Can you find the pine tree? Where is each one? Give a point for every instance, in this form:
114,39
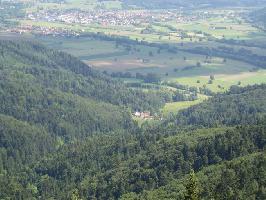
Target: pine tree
192,187
75,195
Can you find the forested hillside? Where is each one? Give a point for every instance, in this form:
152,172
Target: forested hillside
66,133
66,73
239,106
241,178
48,98
55,91
107,170
259,18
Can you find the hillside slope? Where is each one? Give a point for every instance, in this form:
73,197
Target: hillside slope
258,17
66,133
64,72
241,178
49,99
147,161
56,91
191,3
106,167
239,106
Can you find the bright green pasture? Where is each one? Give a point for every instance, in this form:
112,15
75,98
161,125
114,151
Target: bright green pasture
223,82
76,4
177,106
84,48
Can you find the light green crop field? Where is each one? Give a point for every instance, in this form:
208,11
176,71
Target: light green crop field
75,4
175,107
223,82
83,47
217,28
50,24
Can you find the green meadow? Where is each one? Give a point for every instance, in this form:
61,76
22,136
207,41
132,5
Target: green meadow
175,107
175,67
75,4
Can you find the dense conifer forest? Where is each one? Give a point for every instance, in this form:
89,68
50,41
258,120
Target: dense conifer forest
66,132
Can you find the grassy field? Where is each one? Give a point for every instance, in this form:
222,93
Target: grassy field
82,47
105,55
176,67
75,4
175,107
223,82
220,28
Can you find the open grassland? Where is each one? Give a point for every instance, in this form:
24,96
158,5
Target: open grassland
176,67
175,107
219,28
223,82
75,4
107,55
83,47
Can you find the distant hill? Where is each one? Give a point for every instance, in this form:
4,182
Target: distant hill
258,17
191,3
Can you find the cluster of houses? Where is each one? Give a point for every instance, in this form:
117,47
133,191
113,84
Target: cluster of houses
41,30
143,115
107,17
121,17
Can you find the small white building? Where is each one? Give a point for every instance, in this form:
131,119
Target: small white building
137,114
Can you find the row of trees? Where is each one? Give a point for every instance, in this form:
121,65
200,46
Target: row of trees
242,54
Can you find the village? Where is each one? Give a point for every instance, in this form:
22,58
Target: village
102,18
57,22
109,17
121,17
